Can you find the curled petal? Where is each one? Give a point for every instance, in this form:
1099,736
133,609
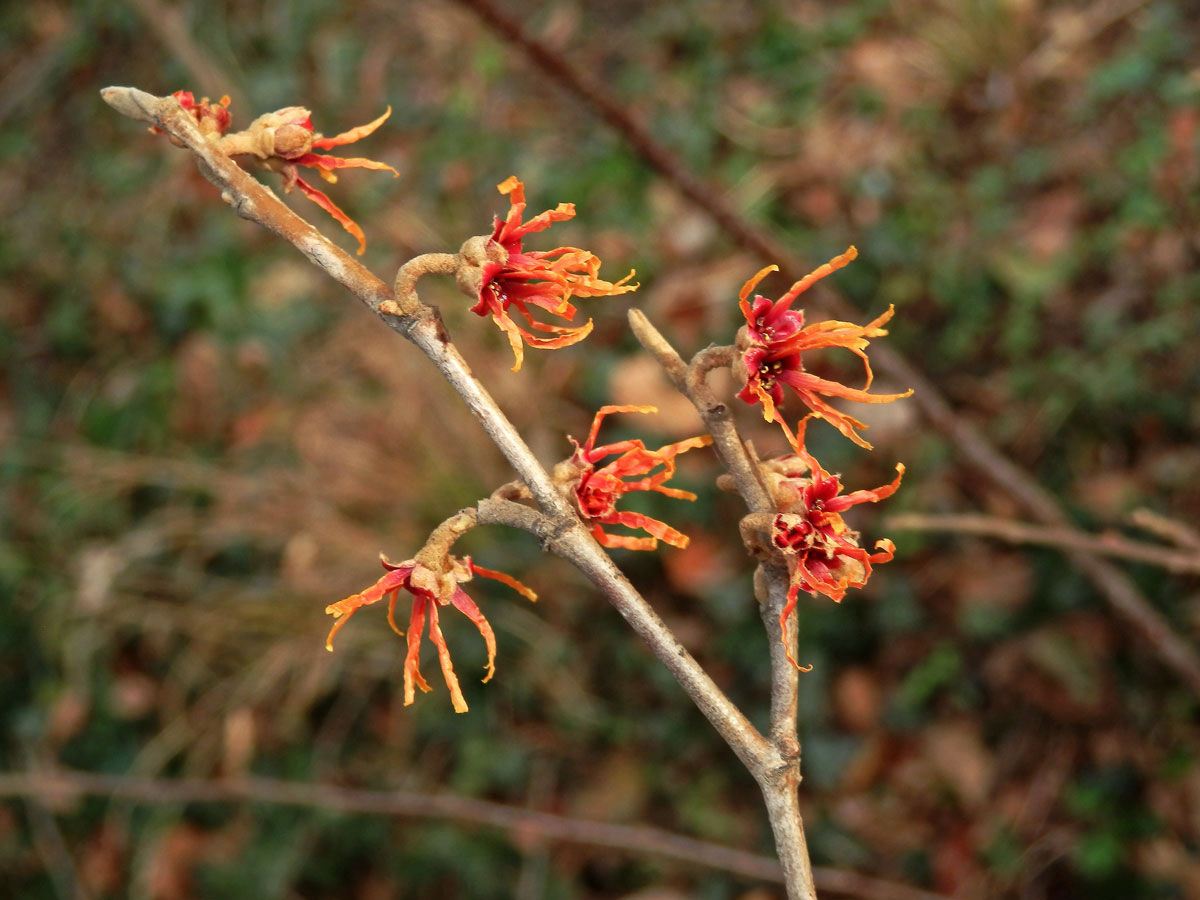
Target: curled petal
443,652
344,609
660,530
510,228
752,283
792,595
354,134
604,411
332,208
412,659
324,161
874,496
887,551
841,502
816,275
467,607
505,579
518,336
625,542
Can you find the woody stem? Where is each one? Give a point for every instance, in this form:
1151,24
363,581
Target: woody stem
437,546
405,286
779,783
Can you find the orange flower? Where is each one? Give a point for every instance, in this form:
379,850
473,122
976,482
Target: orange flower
535,278
282,141
823,554
430,591
596,490
772,344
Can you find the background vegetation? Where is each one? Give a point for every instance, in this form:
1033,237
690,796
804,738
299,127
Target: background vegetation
203,442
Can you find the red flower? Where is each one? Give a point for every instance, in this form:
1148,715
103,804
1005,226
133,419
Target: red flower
773,342
282,141
597,490
430,591
823,555
534,278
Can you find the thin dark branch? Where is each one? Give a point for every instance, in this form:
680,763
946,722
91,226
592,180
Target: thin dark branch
1022,533
1178,533
170,25
617,115
63,785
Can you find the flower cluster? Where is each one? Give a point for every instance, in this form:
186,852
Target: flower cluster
544,279
283,141
431,587
595,491
822,553
774,340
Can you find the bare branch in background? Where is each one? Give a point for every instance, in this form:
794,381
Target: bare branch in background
61,786
1176,561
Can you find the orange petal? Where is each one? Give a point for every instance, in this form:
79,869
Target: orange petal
325,161
623,541
792,596
467,607
412,659
505,579
817,274
443,652
354,134
660,530
330,207
753,281
609,410
513,332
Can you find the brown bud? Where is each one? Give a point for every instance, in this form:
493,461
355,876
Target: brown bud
292,141
473,255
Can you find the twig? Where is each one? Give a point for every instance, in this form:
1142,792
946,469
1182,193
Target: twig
781,788
59,785
179,37
1022,533
26,76
617,115
1176,653
689,381
1178,533
1082,27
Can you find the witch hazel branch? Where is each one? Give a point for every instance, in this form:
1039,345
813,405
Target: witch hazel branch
794,527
